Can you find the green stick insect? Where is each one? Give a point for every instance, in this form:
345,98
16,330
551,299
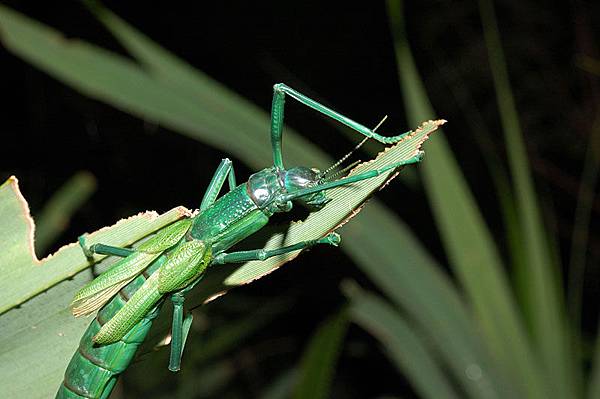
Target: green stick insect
129,295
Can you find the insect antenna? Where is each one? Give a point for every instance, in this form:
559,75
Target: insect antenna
323,175
342,171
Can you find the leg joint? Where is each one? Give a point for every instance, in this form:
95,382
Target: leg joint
279,87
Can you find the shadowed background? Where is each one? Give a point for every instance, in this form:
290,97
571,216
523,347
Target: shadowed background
342,55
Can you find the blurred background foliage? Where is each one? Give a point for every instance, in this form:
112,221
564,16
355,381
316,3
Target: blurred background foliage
478,278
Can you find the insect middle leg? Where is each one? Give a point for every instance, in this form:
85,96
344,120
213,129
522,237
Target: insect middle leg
262,254
103,249
167,237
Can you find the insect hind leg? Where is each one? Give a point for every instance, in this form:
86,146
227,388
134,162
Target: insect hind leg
180,327
103,249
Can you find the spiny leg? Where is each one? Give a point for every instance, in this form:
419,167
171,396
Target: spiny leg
351,179
262,254
277,110
224,171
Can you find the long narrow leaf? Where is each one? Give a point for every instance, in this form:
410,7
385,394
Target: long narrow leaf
406,349
468,242
317,367
593,391
546,306
414,282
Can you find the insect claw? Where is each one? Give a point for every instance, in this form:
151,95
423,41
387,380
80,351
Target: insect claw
333,239
86,250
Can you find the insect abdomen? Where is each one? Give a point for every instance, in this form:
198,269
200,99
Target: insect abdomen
94,369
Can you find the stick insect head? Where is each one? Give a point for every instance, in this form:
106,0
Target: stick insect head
302,177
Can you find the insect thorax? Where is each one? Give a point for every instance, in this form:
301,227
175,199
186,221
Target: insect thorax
264,188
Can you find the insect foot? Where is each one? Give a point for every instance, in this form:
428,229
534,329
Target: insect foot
332,239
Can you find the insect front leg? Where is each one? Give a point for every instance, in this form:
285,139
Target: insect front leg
350,179
262,254
224,171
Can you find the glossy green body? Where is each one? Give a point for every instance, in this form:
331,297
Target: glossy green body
229,220
94,369
170,263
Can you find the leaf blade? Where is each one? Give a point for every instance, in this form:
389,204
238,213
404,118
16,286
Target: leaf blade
405,348
466,237
546,307
317,366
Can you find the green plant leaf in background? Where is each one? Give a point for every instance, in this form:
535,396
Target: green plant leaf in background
317,366
466,238
544,302
403,344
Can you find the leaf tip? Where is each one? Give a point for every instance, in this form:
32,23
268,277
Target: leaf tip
12,184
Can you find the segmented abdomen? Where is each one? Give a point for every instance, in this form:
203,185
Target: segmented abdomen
94,369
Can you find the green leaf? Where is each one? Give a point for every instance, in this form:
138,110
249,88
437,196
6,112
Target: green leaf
345,204
196,106
593,391
317,367
24,276
466,238
411,354
281,387
414,282
39,334
546,306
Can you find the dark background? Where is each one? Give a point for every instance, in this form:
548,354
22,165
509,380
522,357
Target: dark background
340,53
